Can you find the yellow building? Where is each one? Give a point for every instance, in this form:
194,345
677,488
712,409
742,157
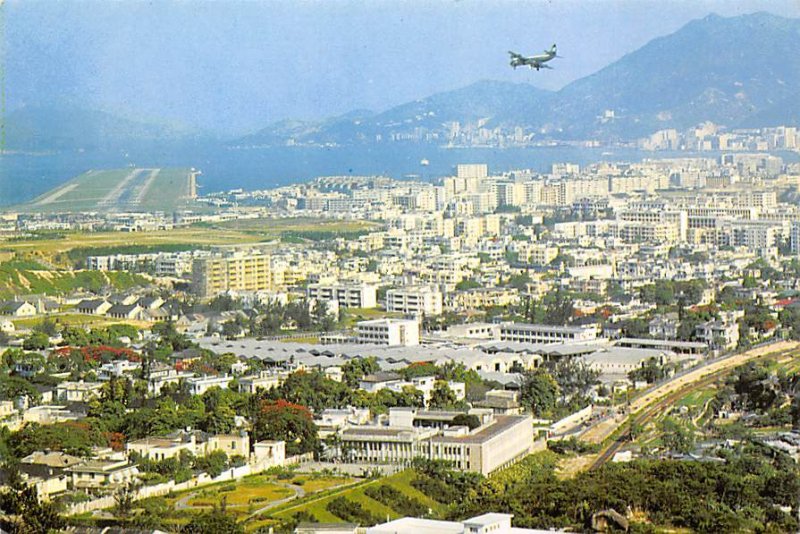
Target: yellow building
238,271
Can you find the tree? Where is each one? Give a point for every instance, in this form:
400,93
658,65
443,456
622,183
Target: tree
216,521
354,370
470,420
539,392
283,420
72,437
74,336
574,377
442,397
36,341
321,316
219,421
313,389
46,326
24,512
13,387
651,372
559,308
213,463
675,436
124,497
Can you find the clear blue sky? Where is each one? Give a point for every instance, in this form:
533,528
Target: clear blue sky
235,66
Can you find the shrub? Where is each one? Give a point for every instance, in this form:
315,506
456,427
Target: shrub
396,500
434,488
351,511
573,444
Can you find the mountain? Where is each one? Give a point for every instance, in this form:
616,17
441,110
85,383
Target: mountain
493,103
69,127
737,71
726,70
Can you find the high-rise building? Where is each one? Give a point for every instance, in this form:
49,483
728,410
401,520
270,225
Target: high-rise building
237,271
472,170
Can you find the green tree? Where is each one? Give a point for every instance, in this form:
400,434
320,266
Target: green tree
282,420
25,513
675,436
213,463
36,341
354,370
216,521
574,377
47,327
538,392
442,397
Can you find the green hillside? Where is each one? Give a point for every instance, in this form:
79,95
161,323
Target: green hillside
29,278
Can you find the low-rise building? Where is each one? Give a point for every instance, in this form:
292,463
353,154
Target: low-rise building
16,308
347,294
200,384
264,380
415,300
718,334
390,332
498,442
544,333
93,306
106,474
77,391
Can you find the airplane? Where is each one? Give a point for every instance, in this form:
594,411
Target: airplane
534,62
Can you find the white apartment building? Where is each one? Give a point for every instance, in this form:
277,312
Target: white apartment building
534,253
415,300
544,333
264,380
348,295
78,391
200,384
392,332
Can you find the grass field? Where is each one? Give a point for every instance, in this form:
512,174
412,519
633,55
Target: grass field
254,491
49,246
74,319
131,189
242,498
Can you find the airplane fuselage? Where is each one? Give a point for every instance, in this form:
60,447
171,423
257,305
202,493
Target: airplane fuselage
534,62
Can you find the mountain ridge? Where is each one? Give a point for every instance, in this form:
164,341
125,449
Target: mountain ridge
736,71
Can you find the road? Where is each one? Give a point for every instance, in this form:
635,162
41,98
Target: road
659,398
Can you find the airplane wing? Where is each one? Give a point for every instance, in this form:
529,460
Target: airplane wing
514,54
545,66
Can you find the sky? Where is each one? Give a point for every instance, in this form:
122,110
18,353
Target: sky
233,67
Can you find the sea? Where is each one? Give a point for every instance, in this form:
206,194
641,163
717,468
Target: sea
24,176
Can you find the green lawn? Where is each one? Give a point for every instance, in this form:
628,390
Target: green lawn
697,398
